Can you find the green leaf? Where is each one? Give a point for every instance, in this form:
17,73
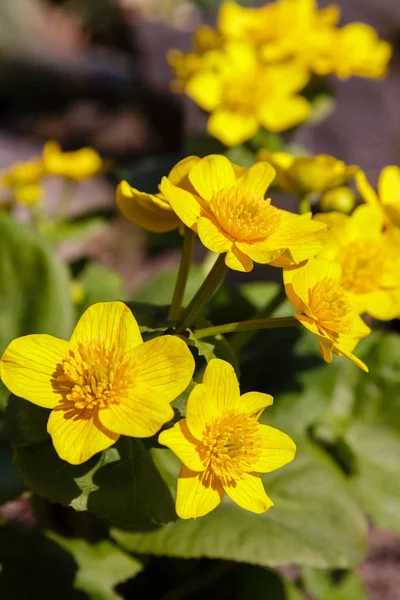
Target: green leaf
101,566
241,155
159,289
314,522
322,107
100,284
69,231
34,287
121,484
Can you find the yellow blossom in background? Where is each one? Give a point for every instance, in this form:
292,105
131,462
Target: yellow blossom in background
243,95
315,290
24,179
354,50
369,258
230,214
103,383
152,211
307,174
388,196
223,447
76,165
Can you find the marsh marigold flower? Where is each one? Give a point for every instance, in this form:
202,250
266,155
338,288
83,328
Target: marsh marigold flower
243,95
307,174
369,258
223,447
388,196
78,164
230,215
103,383
324,308
24,179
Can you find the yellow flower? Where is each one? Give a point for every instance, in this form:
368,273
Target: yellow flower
79,164
223,447
353,50
242,95
24,179
341,199
152,211
388,197
369,259
325,309
103,383
230,214
307,174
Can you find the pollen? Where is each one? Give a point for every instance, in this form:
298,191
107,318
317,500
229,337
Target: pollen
244,217
362,265
231,445
330,306
93,375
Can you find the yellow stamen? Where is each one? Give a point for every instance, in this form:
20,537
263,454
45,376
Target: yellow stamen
330,306
362,265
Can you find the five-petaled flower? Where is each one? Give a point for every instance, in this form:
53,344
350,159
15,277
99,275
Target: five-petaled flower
103,383
230,215
324,308
223,447
369,257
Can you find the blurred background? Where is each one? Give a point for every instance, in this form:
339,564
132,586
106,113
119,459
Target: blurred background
94,73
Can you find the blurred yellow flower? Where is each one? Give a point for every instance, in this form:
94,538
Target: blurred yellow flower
24,179
79,164
354,50
388,197
306,174
228,210
369,259
152,211
324,308
223,447
103,383
243,95
340,199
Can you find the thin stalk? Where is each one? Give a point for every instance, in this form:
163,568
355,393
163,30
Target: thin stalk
253,324
67,193
203,294
189,241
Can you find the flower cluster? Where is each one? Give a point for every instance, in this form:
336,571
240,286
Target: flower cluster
25,178
250,71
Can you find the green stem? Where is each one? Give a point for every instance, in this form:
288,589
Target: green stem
203,294
253,324
189,242
242,339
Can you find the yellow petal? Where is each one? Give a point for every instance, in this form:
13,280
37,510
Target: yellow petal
314,271
163,365
232,128
310,325
284,113
183,444
326,347
29,365
140,413
257,178
342,351
389,184
366,221
249,493
253,403
222,385
78,434
205,89
238,261
197,494
145,210
212,237
299,234
183,203
212,174
365,188
277,450
111,321
260,252
179,173
201,409
288,275
384,304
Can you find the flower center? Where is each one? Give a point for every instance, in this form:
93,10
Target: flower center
362,265
93,374
231,445
330,306
243,216
246,94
